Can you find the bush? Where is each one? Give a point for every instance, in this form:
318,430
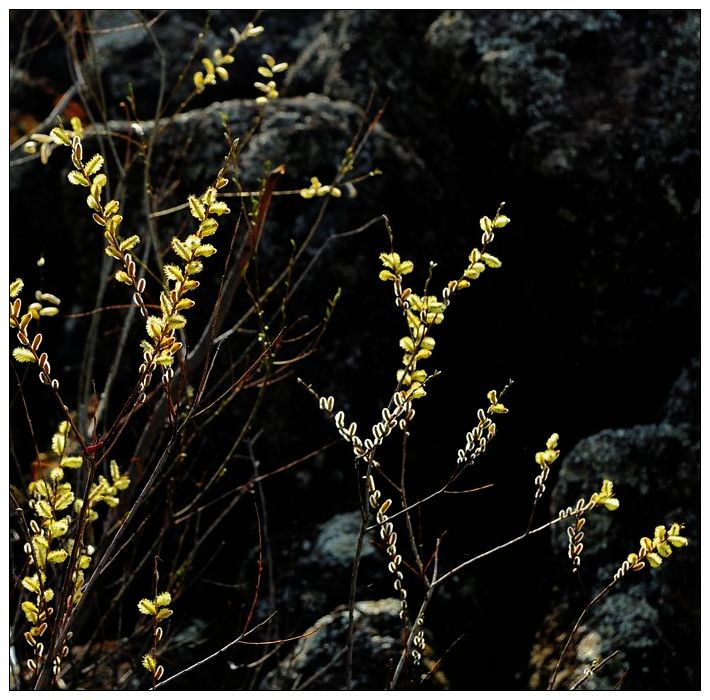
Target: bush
140,489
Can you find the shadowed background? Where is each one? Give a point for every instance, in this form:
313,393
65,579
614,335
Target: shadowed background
587,125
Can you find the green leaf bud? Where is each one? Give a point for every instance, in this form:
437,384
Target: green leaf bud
77,178
72,462
654,560
208,227
407,344
93,166
129,243
490,260
154,326
147,607
60,136
31,583
57,556
77,126
197,209
111,208
23,355
219,208
181,250
205,250
177,321
194,267
164,599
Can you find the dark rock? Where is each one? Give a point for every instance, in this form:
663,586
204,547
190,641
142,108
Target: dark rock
315,575
133,54
318,660
683,405
334,546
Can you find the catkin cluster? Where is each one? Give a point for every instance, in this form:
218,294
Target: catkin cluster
161,346
400,416
653,550
51,542
28,350
422,312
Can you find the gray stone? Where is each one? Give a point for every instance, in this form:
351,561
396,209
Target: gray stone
336,541
318,660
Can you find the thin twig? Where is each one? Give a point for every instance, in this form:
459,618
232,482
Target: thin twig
351,601
587,608
222,650
593,669
64,100
405,510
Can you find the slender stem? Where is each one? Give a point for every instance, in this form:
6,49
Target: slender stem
403,495
587,608
264,523
58,109
438,580
500,547
218,652
351,604
594,668
532,513
436,493
154,649
410,639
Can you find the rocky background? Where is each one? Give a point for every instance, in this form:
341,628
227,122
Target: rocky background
587,124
